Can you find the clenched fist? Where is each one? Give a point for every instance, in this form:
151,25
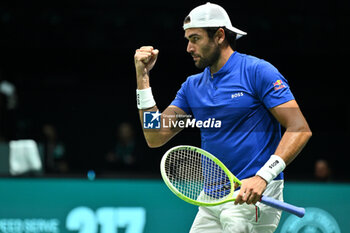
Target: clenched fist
145,58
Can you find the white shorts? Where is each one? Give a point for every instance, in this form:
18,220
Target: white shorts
230,218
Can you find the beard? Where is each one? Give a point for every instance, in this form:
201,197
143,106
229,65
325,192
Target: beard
208,58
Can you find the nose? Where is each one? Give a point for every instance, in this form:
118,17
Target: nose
190,48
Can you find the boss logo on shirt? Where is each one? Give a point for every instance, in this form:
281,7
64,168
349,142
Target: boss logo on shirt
237,94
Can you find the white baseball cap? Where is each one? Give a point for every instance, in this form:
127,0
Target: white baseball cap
211,15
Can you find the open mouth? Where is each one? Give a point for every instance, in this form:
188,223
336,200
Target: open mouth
195,58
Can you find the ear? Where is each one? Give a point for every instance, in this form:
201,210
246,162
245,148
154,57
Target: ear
220,36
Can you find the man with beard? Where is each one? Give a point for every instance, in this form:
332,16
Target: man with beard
251,98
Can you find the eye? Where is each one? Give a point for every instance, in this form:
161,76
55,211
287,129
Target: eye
194,39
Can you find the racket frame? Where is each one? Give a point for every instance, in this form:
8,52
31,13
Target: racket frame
298,211
232,178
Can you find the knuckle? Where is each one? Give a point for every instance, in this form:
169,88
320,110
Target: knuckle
147,48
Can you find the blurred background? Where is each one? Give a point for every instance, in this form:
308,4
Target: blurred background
70,64
68,81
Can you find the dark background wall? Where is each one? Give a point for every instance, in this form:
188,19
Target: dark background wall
72,64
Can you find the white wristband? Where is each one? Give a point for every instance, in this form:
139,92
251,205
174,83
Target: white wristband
144,98
272,168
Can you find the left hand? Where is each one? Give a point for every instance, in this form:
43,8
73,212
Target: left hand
251,190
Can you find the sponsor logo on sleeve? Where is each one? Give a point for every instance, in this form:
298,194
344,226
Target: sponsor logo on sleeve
278,85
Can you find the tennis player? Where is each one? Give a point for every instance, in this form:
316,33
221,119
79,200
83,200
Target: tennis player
251,98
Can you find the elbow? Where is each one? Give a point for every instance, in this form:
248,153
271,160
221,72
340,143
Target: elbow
309,133
302,129
158,139
154,143
306,131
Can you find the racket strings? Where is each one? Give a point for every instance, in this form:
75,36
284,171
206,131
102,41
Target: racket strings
196,176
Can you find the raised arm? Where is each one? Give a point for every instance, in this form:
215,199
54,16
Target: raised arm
145,58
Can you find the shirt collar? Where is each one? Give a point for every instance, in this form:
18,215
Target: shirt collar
226,68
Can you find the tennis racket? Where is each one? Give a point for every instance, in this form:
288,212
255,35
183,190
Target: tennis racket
198,177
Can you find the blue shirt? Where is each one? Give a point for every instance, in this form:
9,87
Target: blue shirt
240,95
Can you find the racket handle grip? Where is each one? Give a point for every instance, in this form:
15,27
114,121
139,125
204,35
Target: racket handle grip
298,211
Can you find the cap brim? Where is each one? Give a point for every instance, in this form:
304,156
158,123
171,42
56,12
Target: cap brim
239,33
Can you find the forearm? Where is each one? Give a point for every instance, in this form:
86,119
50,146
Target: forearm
152,136
158,137
292,142
142,79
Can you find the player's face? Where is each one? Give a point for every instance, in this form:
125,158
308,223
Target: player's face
205,51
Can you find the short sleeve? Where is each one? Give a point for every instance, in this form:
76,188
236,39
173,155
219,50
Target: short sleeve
181,98
272,88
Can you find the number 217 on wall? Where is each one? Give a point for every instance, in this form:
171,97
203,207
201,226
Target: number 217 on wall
109,219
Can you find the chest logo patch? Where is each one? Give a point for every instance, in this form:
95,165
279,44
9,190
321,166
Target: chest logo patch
237,94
